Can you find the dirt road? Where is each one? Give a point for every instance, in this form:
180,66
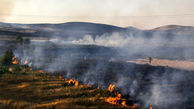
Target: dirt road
186,65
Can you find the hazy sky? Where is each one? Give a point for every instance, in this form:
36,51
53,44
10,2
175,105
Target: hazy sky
139,13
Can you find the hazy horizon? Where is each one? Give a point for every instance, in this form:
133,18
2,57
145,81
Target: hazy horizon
143,14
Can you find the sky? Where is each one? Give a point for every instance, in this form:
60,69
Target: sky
144,14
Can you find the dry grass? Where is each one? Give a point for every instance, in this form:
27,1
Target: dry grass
34,91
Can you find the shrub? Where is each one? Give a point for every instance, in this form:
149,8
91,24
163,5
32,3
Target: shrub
3,69
7,58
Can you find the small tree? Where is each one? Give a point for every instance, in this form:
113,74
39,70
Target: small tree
3,69
19,40
26,41
7,58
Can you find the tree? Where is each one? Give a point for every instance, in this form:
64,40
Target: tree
19,40
7,58
26,41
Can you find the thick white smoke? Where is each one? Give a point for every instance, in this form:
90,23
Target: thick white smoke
64,59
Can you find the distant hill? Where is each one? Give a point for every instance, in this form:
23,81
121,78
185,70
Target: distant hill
79,29
63,30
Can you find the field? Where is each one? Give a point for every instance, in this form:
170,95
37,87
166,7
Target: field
39,91
92,55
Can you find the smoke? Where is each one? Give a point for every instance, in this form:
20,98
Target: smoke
93,60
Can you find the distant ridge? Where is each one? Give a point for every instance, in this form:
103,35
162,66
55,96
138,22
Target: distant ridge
170,27
79,29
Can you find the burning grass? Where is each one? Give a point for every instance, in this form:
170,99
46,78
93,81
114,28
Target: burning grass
38,91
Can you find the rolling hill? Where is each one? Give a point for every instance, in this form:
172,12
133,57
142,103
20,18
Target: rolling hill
79,29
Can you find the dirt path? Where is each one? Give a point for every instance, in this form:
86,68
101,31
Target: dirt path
186,65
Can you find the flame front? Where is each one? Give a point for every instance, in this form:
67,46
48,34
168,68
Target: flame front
115,100
72,82
14,60
134,106
111,87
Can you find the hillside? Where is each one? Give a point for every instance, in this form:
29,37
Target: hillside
79,29
37,90
63,30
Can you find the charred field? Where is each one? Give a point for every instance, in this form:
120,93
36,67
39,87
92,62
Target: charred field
96,56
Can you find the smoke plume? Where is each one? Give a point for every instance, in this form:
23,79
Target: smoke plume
94,60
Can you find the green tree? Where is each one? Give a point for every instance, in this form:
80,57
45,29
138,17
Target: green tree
3,69
26,41
7,58
19,40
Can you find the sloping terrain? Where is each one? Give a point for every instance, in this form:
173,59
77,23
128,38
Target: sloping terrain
79,29
41,91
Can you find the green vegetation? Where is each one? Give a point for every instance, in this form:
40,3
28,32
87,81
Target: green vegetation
6,59
21,41
6,65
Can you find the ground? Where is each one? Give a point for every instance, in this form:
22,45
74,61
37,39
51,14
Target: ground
40,91
178,64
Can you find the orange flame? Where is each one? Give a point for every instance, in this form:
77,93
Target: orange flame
41,71
76,83
116,100
13,58
134,106
30,69
111,100
73,82
111,87
123,103
150,107
15,62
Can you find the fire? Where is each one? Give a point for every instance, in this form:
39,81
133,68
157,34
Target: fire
123,103
150,107
73,82
15,61
116,100
111,100
111,87
13,58
41,71
134,106
30,69
76,83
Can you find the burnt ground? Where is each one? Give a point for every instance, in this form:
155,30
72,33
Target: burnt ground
169,81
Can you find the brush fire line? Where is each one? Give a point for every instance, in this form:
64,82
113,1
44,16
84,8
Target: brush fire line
115,100
14,60
70,82
111,87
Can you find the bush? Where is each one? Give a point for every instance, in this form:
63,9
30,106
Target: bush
3,69
7,58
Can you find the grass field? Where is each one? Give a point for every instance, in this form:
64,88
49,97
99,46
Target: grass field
42,91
